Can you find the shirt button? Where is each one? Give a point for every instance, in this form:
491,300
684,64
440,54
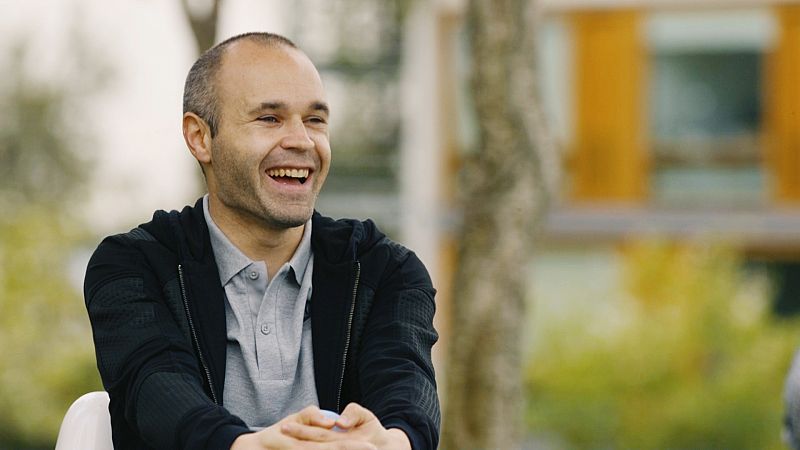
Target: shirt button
265,328
253,275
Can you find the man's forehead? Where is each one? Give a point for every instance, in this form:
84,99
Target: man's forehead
277,68
271,58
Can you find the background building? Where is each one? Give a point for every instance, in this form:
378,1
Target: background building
677,119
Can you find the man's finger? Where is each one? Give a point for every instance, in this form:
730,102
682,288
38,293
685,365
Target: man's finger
354,415
311,437
308,432
342,445
312,415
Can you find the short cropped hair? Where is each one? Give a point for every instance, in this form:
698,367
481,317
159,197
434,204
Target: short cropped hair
199,93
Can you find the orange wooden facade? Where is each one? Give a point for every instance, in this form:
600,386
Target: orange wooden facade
782,112
610,155
609,160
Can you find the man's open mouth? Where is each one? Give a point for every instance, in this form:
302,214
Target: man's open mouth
289,175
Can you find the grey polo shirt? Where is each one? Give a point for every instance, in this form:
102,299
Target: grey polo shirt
269,369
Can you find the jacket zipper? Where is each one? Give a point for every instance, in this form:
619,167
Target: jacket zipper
194,334
347,336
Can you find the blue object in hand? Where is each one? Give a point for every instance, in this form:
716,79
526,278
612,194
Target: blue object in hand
331,415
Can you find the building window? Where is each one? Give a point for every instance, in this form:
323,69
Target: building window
705,105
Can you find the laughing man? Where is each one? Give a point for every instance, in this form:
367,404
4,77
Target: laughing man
234,322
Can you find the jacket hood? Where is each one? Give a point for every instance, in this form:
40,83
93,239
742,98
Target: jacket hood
184,232
344,239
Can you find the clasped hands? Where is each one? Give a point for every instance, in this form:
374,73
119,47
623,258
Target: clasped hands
358,429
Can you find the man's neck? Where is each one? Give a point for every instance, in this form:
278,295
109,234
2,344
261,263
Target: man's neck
258,241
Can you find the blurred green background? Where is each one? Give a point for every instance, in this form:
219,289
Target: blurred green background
664,292
683,351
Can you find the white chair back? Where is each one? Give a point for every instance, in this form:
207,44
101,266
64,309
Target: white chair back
87,424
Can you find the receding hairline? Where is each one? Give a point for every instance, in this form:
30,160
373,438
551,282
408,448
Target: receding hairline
206,67
267,43
279,47
272,42
262,39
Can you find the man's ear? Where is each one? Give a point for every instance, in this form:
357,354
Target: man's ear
197,135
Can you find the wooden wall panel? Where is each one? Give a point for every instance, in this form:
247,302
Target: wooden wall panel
609,160
782,107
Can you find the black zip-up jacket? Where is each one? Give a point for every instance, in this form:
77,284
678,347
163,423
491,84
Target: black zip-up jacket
156,306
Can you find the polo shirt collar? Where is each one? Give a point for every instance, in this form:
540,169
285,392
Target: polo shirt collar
230,260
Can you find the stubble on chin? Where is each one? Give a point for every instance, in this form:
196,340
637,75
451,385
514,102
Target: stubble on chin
287,222
274,216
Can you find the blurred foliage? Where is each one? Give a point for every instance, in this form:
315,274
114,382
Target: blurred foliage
43,143
47,359
691,359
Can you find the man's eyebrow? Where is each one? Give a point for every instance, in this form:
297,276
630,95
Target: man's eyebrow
268,106
321,107
278,106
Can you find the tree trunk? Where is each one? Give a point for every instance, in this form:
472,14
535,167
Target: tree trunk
203,20
504,187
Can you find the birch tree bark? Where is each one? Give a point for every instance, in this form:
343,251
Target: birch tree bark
504,185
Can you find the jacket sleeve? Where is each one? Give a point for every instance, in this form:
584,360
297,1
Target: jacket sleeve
146,363
396,373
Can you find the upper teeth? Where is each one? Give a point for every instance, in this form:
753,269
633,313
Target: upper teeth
294,173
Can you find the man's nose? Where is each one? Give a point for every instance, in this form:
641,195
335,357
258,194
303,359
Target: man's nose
296,137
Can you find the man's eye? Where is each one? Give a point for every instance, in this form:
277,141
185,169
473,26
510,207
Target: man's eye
269,119
316,119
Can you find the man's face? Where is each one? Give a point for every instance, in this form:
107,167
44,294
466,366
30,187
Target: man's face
271,154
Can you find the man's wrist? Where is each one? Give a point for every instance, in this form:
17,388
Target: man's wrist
243,441
395,439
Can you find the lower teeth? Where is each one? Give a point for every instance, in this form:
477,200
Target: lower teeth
301,180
